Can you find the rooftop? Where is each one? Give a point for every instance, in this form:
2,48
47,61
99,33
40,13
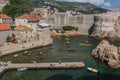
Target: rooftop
29,16
4,27
22,28
4,16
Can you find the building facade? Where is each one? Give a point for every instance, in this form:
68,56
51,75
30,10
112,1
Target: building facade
24,34
29,20
6,19
5,31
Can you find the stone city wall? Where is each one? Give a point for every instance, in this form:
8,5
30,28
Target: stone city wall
8,49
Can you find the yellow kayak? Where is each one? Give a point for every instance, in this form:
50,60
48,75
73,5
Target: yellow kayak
92,70
83,44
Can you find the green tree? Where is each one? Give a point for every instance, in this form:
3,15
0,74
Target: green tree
17,8
66,28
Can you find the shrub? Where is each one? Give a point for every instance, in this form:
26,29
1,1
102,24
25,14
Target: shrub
67,28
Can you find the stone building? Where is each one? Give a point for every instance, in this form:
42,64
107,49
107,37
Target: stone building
29,20
24,34
5,31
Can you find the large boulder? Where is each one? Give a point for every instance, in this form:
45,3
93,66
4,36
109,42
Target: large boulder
108,53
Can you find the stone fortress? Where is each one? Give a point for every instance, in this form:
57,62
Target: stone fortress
107,24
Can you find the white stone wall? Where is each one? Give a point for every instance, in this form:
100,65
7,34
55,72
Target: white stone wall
7,21
34,26
27,36
106,22
0,20
20,22
61,19
44,39
4,35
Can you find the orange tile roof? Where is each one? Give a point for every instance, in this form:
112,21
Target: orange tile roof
4,27
26,16
22,28
3,16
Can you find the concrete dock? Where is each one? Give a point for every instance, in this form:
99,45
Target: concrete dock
64,65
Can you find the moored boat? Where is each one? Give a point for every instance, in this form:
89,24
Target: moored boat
81,44
67,38
71,50
67,42
89,44
21,69
93,70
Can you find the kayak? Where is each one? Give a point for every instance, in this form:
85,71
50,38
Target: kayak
92,70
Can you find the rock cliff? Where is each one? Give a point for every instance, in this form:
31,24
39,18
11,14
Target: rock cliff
108,53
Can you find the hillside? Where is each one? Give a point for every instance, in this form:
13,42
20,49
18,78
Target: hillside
73,6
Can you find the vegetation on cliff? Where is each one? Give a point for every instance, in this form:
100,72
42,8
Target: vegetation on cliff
86,8
17,7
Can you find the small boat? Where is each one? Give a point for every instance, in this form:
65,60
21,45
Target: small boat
58,37
85,40
67,42
89,44
41,53
93,70
66,35
67,38
81,44
71,50
21,69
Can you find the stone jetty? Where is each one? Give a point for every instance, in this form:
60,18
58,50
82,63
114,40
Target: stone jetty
7,66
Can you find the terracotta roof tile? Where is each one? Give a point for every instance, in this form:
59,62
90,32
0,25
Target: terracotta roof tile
26,16
4,27
3,16
22,28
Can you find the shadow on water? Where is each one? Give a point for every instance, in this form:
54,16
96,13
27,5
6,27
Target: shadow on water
100,77
60,77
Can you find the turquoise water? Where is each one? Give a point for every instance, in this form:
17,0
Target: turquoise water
58,51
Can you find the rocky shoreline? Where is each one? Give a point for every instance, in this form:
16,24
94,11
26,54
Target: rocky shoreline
108,52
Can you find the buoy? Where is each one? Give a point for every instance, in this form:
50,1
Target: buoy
25,52
16,55
29,54
67,42
41,53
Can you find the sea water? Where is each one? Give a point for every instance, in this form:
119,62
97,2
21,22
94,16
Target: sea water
59,51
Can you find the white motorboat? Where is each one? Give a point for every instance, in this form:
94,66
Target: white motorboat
21,69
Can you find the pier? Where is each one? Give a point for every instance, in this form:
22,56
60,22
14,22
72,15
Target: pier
7,66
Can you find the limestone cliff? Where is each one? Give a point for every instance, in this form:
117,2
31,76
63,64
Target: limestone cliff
108,53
